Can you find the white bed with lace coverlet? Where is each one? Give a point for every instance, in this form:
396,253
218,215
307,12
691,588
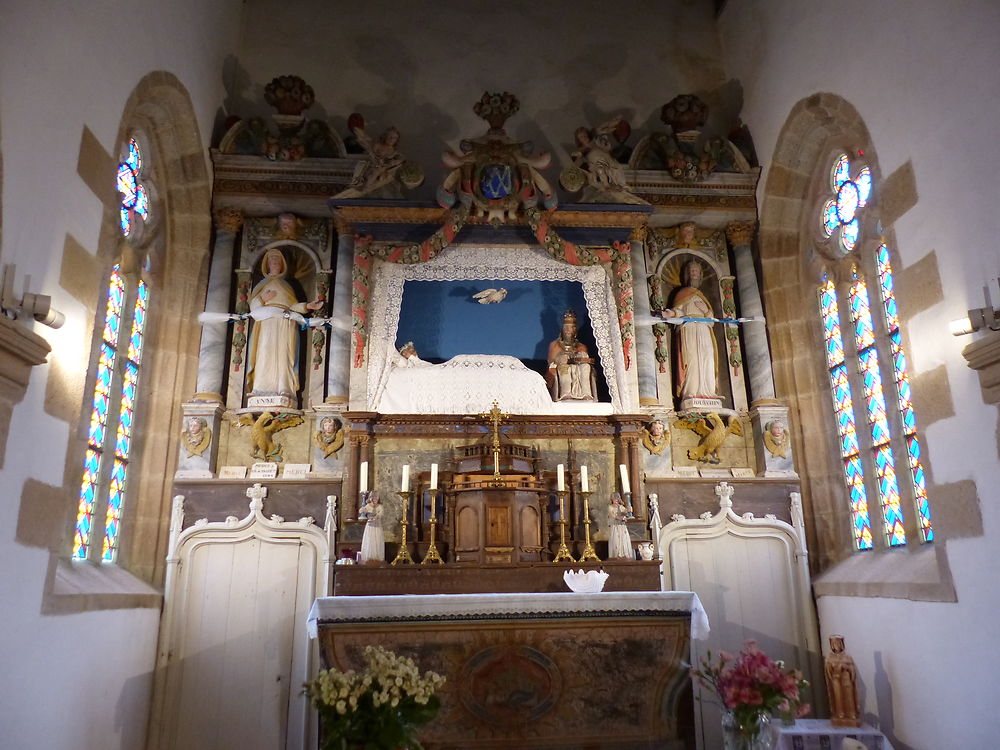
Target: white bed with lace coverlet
466,384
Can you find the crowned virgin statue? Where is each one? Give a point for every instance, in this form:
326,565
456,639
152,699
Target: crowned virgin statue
570,376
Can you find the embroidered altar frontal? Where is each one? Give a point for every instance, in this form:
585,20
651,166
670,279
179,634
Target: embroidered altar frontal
589,677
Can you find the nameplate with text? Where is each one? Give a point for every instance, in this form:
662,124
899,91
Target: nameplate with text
233,472
264,470
295,471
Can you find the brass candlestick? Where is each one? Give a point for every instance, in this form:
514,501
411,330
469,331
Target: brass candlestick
563,554
403,556
588,551
432,552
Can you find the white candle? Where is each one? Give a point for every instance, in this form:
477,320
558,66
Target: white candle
624,472
363,477
406,478
584,479
560,478
434,476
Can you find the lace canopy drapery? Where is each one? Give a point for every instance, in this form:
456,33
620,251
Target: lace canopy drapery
493,264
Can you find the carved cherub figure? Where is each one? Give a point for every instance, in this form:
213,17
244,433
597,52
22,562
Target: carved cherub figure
776,438
196,436
655,437
329,438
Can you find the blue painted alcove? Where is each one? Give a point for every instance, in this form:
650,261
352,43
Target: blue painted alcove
443,320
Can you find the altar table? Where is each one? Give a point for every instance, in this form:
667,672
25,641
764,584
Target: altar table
820,734
531,671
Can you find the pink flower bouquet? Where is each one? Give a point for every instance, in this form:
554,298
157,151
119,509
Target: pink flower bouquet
752,684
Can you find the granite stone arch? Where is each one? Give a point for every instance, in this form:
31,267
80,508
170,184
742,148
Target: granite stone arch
792,261
160,110
160,107
816,127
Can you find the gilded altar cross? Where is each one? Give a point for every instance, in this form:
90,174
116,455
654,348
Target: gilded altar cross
495,416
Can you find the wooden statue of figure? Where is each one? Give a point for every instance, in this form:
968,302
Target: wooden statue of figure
570,375
373,540
842,685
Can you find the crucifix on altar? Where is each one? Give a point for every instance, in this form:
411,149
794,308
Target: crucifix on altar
496,418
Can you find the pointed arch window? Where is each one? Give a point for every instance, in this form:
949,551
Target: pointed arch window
870,375
116,379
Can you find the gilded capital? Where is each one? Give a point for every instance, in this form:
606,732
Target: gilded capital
639,233
740,232
342,225
229,219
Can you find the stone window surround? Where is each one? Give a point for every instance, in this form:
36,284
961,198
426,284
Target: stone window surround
161,108
791,201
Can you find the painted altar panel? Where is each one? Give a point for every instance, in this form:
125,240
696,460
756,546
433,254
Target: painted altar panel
601,682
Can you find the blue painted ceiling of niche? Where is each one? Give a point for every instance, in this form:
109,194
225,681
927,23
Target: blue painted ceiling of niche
443,320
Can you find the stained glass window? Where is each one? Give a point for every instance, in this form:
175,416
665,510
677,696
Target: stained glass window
840,213
869,458
871,381
903,397
116,380
134,195
843,408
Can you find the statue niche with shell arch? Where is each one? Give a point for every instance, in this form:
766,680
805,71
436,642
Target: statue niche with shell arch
695,347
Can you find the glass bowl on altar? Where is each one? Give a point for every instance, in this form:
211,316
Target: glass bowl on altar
585,582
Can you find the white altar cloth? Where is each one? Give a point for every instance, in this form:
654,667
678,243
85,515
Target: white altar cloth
817,734
340,608
466,384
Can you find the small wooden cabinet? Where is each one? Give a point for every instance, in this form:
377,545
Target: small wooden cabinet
498,521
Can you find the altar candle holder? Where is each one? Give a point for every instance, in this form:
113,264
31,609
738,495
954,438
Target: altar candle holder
629,513
403,556
433,556
589,553
563,554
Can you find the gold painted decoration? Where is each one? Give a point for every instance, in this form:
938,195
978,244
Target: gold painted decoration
714,431
262,428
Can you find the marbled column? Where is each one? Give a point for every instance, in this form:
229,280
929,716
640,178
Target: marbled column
338,370
758,354
212,356
645,345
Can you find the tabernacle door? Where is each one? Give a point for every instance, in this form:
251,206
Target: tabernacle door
497,525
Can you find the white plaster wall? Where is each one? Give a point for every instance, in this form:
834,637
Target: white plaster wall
76,680
422,66
923,77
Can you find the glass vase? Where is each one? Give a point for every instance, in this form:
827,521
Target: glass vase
747,732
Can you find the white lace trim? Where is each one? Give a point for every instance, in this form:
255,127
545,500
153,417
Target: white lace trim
465,263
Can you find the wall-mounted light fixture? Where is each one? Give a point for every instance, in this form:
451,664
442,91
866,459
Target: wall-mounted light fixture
980,317
37,306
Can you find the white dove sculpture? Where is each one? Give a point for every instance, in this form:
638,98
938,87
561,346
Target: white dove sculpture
488,296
